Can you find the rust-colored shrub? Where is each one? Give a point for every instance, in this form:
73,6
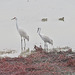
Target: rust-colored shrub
38,63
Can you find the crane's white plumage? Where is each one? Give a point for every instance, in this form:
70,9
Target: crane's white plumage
45,38
22,33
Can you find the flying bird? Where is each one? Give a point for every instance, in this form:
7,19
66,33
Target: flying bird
45,39
23,35
61,19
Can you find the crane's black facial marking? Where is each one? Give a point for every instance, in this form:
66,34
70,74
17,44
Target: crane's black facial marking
38,30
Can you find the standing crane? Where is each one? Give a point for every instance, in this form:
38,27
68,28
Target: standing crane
23,35
45,39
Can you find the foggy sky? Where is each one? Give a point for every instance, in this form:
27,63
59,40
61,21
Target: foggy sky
29,16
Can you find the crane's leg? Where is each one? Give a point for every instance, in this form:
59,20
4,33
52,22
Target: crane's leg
45,46
21,45
24,44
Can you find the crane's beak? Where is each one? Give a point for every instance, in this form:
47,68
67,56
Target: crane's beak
14,18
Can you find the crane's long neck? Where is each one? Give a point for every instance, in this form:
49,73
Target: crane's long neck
39,33
16,24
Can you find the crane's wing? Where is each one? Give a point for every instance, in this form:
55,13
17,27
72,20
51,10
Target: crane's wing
47,39
23,34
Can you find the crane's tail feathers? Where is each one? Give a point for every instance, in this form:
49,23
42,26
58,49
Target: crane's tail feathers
27,38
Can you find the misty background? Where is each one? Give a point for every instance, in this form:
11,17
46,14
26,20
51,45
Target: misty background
29,15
